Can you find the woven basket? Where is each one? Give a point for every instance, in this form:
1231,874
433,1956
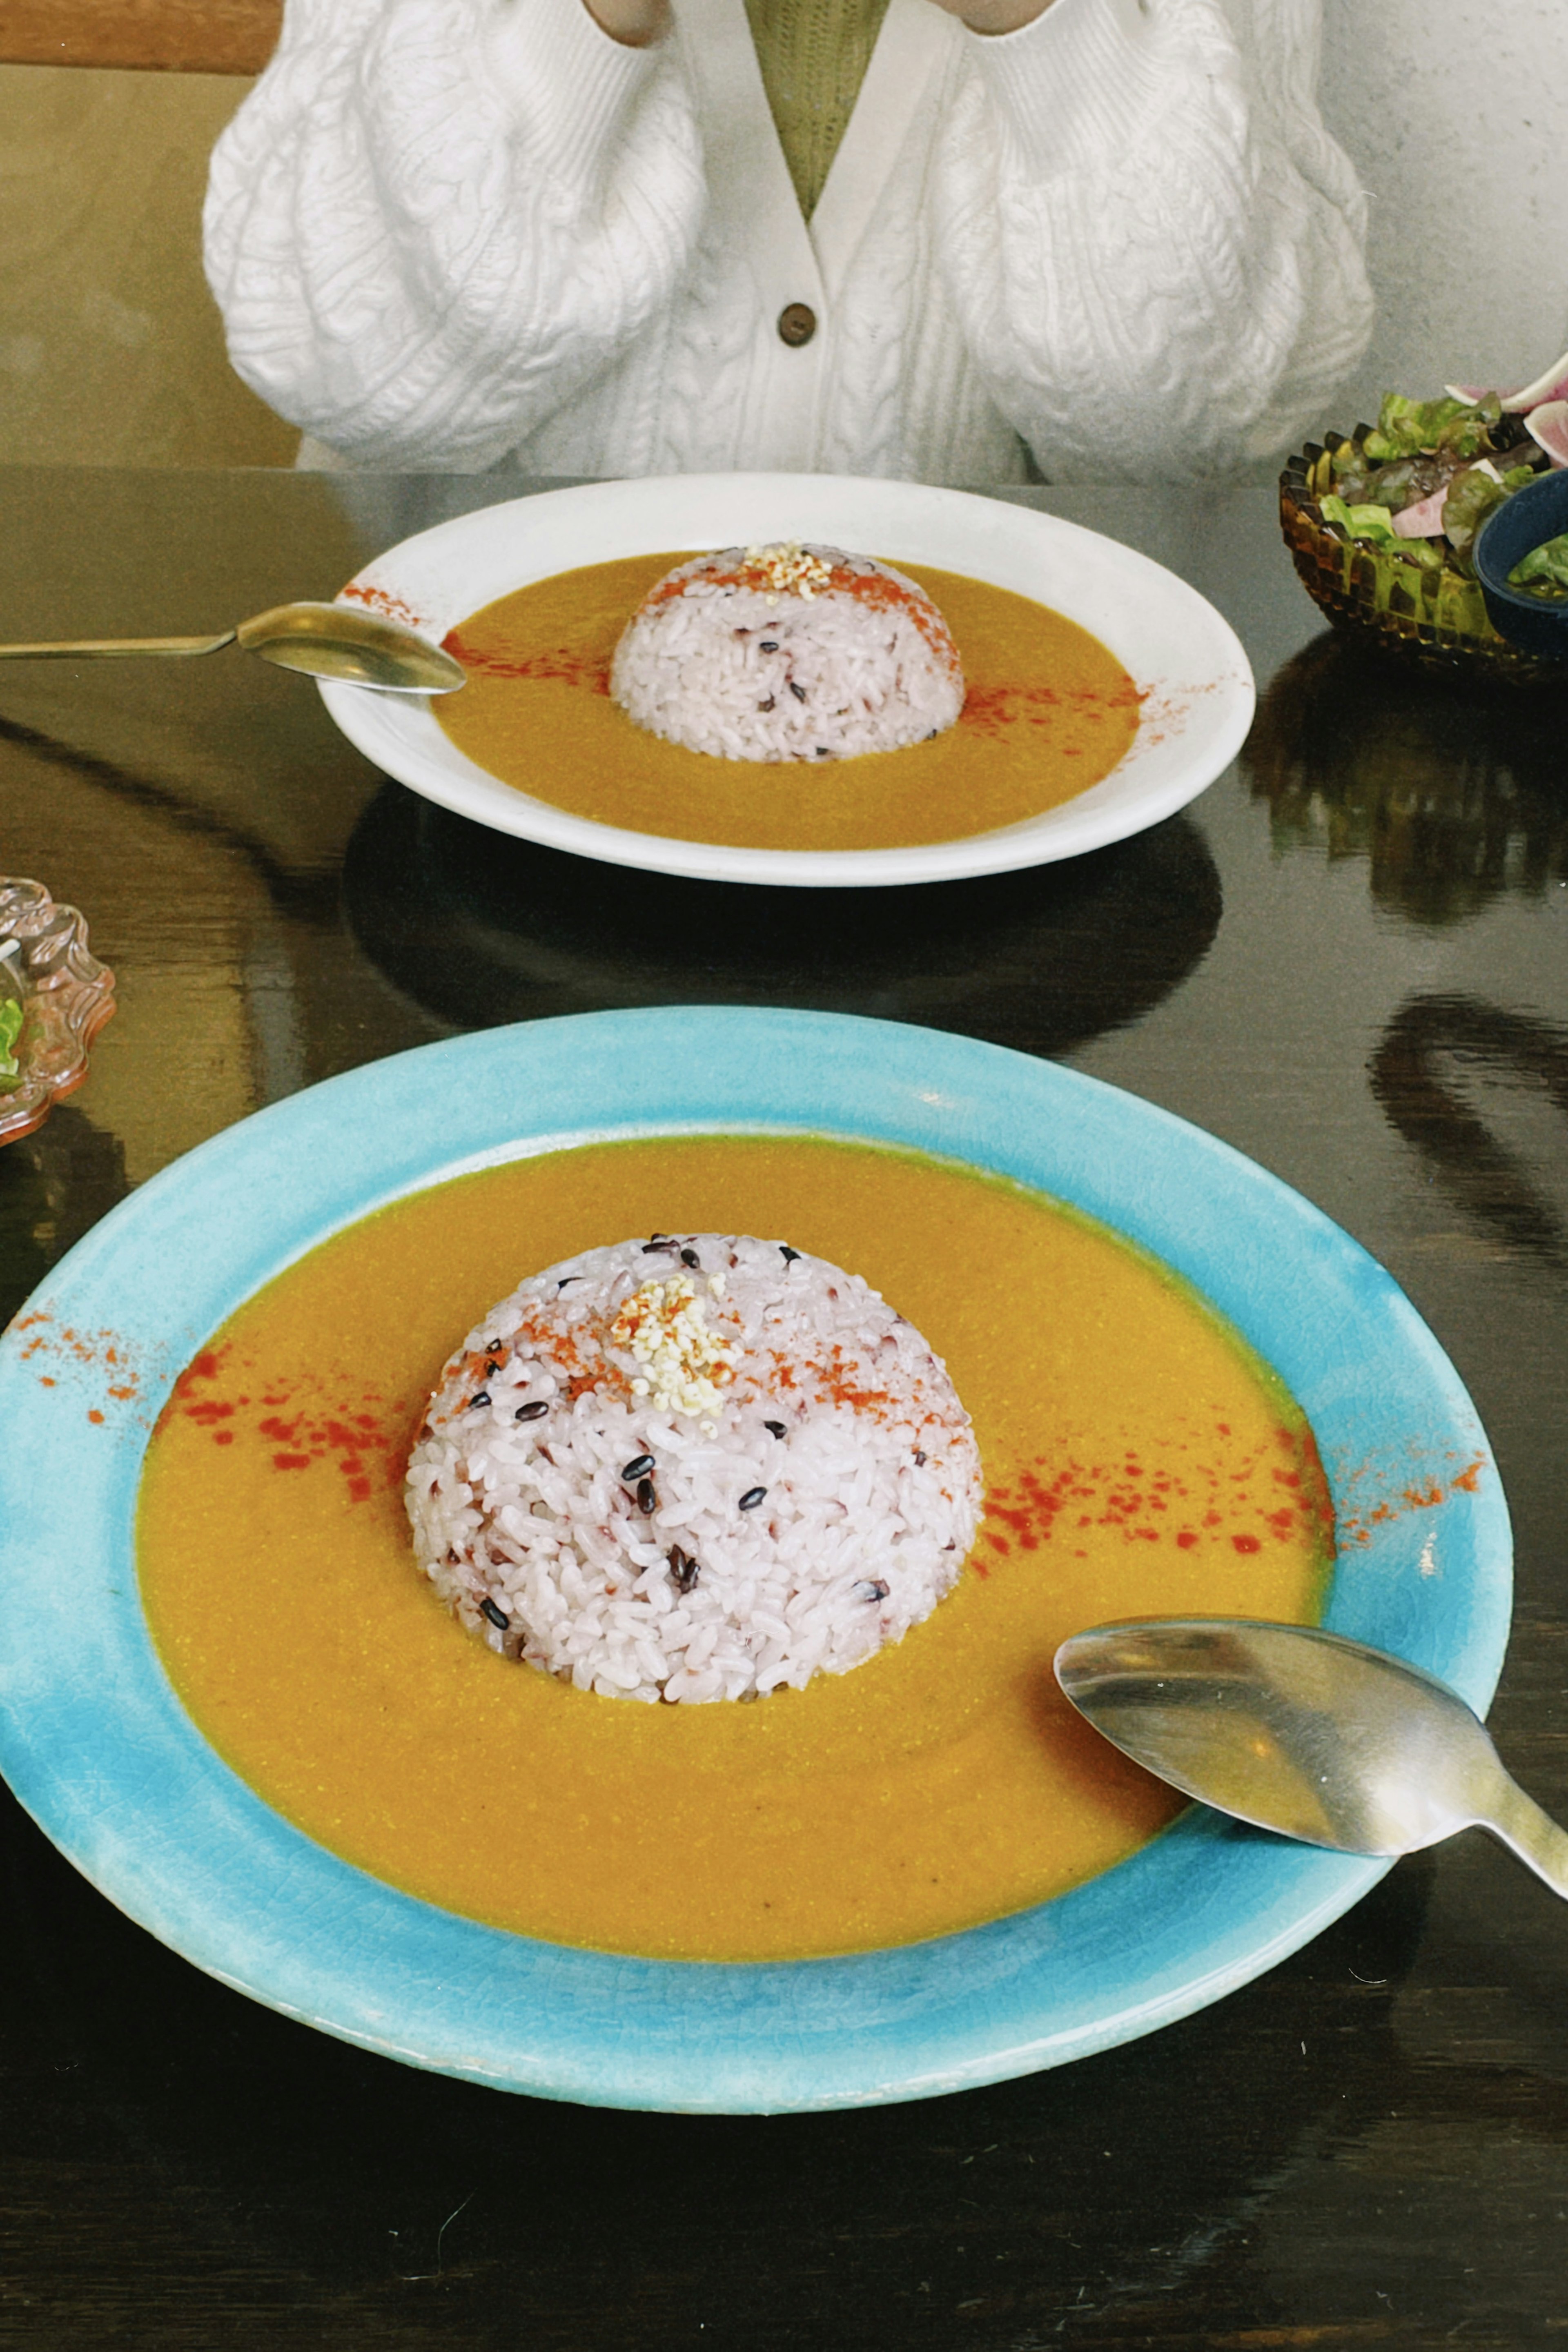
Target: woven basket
1434,618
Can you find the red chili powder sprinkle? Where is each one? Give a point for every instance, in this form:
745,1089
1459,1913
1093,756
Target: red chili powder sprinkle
989,709
381,600
361,1435
1358,1521
560,664
1197,1498
66,1348
873,588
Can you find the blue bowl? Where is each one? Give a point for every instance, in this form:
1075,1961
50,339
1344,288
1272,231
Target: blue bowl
1531,516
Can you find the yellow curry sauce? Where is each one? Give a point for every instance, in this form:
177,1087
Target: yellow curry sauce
1048,712
1138,1459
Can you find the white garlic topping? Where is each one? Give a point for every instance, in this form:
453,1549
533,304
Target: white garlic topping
662,1325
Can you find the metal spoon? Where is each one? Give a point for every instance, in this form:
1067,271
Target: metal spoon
325,640
1305,1733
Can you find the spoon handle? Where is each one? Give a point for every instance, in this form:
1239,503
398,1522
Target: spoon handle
93,649
1518,1821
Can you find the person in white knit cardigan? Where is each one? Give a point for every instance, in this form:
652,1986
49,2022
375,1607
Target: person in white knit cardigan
1104,239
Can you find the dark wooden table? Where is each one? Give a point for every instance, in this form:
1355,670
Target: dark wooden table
1351,960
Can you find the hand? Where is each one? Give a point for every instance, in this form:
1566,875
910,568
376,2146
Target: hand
635,23
995,15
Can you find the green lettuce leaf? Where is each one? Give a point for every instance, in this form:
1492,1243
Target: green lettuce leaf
10,1030
1544,571
1361,521
1471,496
1405,427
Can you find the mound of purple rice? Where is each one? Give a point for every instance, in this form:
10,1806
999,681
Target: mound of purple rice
789,653
696,1467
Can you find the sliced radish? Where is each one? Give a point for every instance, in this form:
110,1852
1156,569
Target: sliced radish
1424,520
1552,385
1548,424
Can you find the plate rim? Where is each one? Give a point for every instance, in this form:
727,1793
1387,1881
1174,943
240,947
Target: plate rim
857,2029
388,731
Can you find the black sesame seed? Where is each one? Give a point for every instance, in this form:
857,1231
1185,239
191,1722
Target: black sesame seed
787,1255
690,1257
498,1617
482,1398
823,752
684,1571
638,1469
798,691
774,1428
648,1496
534,1412
751,1497
768,646
872,1590
920,1459
659,1242
564,1280
770,704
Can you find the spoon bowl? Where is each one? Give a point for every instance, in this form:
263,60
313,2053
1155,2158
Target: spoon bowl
1305,1733
338,641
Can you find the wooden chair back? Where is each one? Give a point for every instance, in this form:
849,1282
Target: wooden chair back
215,36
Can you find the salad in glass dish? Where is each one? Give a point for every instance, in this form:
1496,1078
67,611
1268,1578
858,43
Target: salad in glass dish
1383,521
54,997
10,1014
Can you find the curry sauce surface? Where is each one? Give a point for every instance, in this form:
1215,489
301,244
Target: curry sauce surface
1048,712
1138,1460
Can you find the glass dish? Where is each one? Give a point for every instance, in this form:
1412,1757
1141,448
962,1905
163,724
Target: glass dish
67,996
1434,618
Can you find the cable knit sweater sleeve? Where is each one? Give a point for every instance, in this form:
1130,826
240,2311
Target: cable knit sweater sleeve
1162,252
435,221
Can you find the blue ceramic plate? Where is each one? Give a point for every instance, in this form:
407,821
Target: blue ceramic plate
99,1751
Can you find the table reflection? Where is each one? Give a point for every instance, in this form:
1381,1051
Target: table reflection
1050,2185
1438,1054
480,928
1455,795
54,1185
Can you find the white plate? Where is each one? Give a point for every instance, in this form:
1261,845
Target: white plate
1187,662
